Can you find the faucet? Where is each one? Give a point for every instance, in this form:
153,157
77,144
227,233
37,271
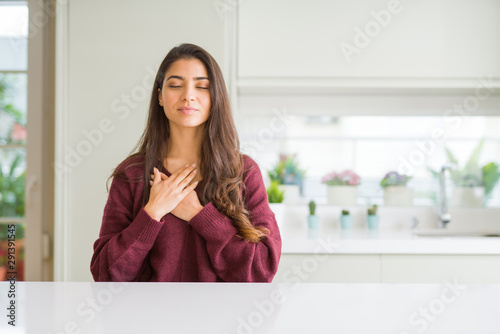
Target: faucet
444,215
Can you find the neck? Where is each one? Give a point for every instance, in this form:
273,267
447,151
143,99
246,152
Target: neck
184,144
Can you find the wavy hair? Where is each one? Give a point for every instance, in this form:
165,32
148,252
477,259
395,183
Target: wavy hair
221,162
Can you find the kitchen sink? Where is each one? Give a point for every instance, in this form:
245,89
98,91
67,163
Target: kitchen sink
458,234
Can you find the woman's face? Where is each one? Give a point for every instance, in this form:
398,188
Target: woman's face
185,95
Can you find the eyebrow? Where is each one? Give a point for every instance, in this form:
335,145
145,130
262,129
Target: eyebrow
181,78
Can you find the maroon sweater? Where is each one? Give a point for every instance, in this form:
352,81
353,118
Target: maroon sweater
132,246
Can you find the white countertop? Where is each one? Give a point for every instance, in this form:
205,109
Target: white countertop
226,308
330,240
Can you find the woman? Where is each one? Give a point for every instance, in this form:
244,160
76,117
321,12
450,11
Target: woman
187,206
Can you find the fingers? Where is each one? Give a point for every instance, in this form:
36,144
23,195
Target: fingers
157,176
181,177
183,173
189,188
163,176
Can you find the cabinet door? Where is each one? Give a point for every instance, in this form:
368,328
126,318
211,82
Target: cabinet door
451,39
480,269
314,268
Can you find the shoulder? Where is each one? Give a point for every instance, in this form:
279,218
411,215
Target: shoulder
131,168
251,168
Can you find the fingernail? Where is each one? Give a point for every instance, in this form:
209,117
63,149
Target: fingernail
187,165
194,165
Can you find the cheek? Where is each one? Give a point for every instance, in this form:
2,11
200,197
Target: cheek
170,96
207,102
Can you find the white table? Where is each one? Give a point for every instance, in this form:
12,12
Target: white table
94,308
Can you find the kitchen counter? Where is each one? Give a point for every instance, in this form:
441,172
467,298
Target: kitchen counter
298,239
394,235
224,308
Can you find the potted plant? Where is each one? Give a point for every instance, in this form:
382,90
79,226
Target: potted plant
342,187
312,219
472,183
491,175
396,193
372,218
345,219
275,198
289,177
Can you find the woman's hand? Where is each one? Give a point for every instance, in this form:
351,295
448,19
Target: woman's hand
189,207
167,192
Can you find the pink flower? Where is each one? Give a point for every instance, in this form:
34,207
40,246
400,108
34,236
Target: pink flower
18,133
346,177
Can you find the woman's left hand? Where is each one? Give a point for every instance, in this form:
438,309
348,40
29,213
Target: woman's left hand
189,207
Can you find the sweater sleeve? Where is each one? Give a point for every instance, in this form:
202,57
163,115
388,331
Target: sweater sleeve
234,259
124,242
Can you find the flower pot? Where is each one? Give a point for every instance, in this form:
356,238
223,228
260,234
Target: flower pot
398,196
345,221
467,196
342,195
372,221
292,193
279,212
313,221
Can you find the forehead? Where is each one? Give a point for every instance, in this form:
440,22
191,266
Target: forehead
187,68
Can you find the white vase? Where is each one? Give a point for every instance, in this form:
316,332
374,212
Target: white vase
467,196
398,196
342,195
292,193
279,212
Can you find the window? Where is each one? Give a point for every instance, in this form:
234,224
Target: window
372,146
13,112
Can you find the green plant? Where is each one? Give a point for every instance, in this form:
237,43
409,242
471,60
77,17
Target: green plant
372,210
274,194
491,175
345,212
472,175
12,189
10,116
312,208
394,179
287,171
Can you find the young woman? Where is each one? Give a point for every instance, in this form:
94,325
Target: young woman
187,206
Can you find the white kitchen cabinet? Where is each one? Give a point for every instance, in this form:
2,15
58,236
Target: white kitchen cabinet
388,268
315,268
302,40
477,269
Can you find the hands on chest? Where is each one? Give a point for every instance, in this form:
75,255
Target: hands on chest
174,194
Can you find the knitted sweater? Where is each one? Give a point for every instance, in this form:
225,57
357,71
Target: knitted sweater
132,246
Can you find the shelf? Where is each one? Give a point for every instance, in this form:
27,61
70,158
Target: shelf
369,86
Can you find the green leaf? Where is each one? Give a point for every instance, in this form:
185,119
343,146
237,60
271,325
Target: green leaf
491,175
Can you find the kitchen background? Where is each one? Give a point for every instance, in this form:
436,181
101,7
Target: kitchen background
367,86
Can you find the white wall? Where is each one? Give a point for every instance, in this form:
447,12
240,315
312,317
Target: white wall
114,50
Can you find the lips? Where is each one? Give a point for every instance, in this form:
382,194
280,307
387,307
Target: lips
187,110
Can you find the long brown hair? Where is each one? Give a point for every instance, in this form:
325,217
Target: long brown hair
221,162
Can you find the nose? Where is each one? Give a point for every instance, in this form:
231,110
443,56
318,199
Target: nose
188,94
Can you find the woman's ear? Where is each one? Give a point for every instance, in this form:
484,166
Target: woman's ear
160,99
